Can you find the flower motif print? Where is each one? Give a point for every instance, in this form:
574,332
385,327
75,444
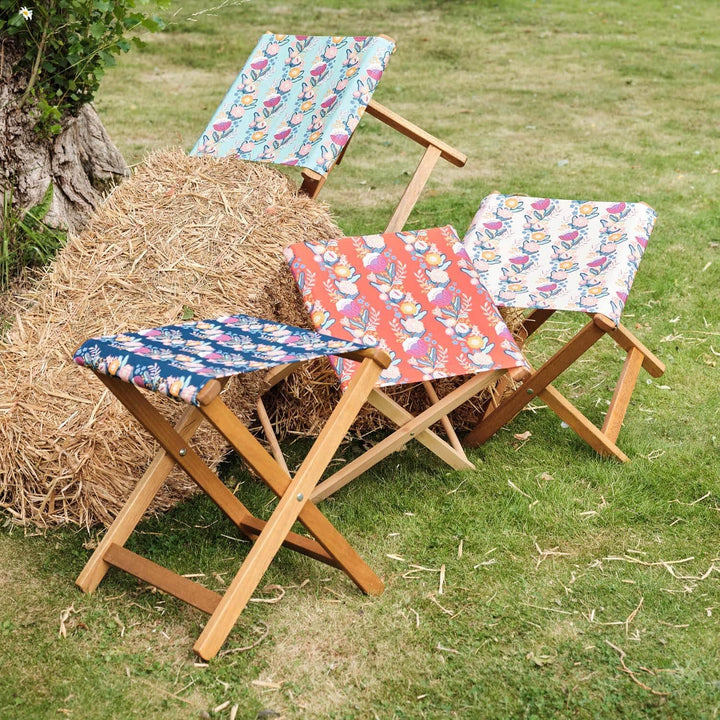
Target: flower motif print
416,294
297,100
560,254
177,360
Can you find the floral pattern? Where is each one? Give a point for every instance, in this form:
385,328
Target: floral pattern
560,254
415,294
298,100
177,360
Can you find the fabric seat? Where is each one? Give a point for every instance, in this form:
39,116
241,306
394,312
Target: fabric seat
191,362
547,255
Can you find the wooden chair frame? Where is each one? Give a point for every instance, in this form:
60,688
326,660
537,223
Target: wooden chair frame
435,149
538,384
409,427
328,545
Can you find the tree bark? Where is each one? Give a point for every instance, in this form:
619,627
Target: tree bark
81,162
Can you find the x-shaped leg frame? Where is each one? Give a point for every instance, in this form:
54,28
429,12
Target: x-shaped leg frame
328,545
409,427
538,384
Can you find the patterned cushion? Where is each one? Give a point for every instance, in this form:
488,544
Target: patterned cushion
177,360
298,100
560,254
415,294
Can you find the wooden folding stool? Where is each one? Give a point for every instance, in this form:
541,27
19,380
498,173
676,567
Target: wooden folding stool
298,100
547,255
191,362
417,295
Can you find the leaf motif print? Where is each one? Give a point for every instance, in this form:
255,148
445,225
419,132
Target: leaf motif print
289,81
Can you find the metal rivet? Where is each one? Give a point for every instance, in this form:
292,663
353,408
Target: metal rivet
530,391
182,452
300,497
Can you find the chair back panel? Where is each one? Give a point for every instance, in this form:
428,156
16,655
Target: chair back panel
297,100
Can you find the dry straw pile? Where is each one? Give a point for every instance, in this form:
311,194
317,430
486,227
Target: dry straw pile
183,235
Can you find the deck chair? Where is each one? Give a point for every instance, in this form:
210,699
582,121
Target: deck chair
417,296
547,255
191,362
298,100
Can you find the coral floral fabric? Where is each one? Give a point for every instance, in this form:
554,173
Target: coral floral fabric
298,100
560,254
416,294
177,360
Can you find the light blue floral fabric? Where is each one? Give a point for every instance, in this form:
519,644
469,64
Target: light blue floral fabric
297,100
177,360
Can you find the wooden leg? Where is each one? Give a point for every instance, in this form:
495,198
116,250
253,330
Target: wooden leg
414,189
534,384
409,431
591,434
291,506
445,420
400,416
263,464
626,340
270,435
623,392
312,183
137,504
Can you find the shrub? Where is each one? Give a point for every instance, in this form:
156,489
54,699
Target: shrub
26,241
66,46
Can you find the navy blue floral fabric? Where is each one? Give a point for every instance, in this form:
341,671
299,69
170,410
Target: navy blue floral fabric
177,360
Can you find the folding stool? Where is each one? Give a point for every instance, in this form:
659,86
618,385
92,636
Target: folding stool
547,255
418,297
191,362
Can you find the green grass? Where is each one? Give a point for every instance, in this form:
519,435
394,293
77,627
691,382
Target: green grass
560,571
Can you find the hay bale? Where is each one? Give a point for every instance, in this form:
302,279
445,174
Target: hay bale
183,235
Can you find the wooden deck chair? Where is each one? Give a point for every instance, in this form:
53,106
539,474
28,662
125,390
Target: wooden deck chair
298,100
190,362
547,255
418,297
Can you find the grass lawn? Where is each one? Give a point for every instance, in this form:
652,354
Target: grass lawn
573,586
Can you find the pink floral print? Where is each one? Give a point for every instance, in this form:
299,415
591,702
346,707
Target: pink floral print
560,254
298,100
415,294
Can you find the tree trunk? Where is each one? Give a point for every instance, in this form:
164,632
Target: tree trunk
80,162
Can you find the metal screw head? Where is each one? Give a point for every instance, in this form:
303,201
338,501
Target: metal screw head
300,497
529,391
182,452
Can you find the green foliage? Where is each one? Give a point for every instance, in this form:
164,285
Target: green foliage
26,241
67,44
